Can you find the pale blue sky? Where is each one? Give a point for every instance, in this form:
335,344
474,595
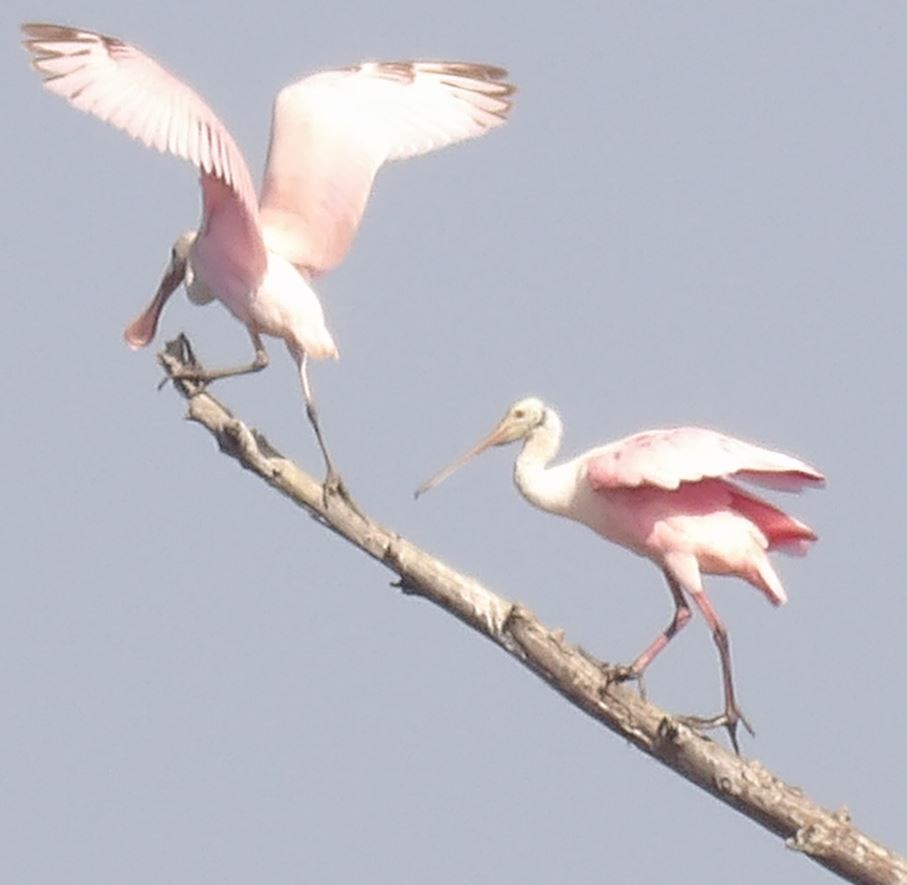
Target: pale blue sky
697,214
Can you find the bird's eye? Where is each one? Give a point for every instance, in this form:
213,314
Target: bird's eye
519,413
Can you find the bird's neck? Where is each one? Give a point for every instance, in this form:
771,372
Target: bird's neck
540,484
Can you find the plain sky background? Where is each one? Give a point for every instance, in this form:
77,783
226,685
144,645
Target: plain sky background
697,214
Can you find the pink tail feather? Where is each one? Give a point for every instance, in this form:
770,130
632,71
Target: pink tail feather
782,531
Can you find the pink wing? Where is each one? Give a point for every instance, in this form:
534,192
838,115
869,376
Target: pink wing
667,458
124,87
782,531
332,131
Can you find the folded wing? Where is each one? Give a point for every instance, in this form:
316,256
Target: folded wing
331,132
667,458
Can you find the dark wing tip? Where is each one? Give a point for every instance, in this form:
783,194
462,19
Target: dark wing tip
44,31
490,74
493,74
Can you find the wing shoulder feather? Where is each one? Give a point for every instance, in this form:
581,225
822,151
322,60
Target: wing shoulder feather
667,458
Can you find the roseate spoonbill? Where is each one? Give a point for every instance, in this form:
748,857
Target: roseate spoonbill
667,495
330,134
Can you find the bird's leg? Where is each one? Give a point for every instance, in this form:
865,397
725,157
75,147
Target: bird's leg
682,615
196,372
333,484
205,376
732,714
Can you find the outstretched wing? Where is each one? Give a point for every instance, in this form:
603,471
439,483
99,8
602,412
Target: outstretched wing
667,458
332,131
121,85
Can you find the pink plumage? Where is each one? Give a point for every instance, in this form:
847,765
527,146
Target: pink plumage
693,462
781,530
331,133
671,496
666,458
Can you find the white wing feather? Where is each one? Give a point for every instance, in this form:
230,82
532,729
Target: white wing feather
667,458
121,85
331,132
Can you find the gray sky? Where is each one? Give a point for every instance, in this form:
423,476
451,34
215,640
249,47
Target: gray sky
696,215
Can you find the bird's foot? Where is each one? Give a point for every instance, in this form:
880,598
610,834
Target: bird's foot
622,673
333,487
729,719
190,369
195,374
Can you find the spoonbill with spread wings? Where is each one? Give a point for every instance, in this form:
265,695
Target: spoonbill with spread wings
668,495
330,134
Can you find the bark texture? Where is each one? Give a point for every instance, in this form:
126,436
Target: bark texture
827,837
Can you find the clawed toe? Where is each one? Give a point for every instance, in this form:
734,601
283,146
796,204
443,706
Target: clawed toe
196,375
334,487
729,720
623,673
190,368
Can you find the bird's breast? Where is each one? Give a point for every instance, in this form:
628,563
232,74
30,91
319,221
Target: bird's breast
285,305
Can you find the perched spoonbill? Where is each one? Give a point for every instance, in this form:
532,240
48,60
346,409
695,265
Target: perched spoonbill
666,495
330,134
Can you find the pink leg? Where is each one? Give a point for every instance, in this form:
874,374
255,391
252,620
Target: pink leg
732,713
682,615
333,484
684,569
333,477
205,375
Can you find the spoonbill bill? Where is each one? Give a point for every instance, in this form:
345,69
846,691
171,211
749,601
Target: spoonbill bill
330,134
668,495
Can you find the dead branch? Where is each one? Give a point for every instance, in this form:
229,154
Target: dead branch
827,837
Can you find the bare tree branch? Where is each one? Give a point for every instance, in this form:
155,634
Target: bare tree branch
829,838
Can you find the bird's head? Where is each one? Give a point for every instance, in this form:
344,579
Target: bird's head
140,332
182,246
519,421
181,261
